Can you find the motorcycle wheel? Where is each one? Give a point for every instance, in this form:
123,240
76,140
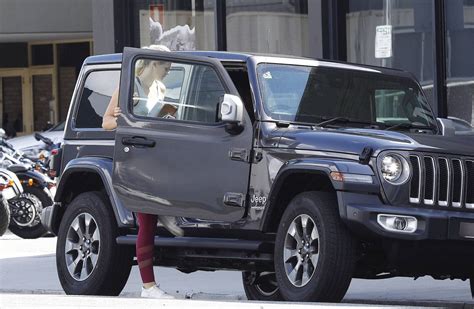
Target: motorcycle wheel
4,216
26,209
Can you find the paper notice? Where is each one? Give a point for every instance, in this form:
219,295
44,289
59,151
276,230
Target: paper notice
383,41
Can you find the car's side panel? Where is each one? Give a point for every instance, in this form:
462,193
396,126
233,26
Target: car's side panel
102,167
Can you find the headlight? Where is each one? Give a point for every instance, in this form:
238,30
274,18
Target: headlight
31,152
395,169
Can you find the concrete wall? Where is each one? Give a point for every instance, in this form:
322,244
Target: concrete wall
27,20
268,32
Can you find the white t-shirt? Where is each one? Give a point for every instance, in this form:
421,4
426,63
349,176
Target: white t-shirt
151,104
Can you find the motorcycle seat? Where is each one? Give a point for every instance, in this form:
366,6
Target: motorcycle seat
17,168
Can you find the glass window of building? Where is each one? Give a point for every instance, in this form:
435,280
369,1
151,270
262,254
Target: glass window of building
460,63
268,26
179,25
393,33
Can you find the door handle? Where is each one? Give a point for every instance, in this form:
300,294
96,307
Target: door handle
138,141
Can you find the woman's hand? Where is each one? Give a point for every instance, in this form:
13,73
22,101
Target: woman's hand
117,111
109,121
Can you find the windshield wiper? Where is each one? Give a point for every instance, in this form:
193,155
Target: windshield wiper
347,120
407,126
333,120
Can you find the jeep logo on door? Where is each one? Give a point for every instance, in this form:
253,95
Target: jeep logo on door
258,201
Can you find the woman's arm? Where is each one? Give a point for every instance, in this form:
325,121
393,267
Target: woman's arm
109,121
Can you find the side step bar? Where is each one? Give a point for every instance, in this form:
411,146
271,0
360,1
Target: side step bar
203,243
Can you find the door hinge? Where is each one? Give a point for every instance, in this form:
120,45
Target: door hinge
240,154
234,199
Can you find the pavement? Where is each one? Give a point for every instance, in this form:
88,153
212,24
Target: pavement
28,278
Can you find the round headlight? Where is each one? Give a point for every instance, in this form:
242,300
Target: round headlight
395,169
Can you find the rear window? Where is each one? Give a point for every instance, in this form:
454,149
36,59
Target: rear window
98,89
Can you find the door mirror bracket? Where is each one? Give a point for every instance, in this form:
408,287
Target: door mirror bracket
231,112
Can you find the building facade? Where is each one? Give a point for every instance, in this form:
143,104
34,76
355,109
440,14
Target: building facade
42,46
42,52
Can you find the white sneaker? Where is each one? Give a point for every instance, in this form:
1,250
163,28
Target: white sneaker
155,292
171,225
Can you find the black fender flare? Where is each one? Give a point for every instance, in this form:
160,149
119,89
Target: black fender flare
104,168
324,167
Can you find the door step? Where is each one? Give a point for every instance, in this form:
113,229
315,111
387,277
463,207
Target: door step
203,243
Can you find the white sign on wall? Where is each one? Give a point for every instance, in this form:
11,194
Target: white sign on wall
383,41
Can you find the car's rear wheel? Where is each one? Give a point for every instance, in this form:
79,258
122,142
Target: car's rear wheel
314,252
261,286
88,259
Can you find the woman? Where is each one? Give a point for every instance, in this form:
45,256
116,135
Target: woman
149,90
148,96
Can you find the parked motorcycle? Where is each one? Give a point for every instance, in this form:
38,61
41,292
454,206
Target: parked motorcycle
38,191
10,188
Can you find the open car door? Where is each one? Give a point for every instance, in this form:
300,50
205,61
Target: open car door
172,154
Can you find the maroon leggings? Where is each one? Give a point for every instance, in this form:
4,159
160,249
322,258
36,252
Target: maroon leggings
145,245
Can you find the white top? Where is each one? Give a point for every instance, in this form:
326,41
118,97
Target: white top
151,104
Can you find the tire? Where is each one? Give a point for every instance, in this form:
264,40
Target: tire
4,216
108,265
261,286
328,245
35,229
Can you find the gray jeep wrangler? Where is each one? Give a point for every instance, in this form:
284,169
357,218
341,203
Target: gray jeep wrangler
302,174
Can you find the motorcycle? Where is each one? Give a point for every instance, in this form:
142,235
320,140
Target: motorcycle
38,191
10,187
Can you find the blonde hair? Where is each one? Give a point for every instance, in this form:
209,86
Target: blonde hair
141,64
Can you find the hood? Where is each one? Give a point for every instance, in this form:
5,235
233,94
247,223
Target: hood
29,141
353,141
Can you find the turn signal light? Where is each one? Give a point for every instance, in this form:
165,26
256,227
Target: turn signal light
30,182
4,185
337,176
8,184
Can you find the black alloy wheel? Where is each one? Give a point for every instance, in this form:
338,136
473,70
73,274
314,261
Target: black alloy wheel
88,259
314,252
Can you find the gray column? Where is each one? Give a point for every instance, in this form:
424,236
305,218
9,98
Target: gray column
315,33
103,26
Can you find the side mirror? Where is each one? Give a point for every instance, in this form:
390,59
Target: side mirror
37,137
2,133
231,112
447,126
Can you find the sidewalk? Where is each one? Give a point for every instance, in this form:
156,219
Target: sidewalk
62,301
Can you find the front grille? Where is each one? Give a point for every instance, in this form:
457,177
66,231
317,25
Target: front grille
442,181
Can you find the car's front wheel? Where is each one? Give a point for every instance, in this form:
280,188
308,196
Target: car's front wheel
314,252
88,259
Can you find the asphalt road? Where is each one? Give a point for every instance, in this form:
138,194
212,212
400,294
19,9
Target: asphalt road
29,267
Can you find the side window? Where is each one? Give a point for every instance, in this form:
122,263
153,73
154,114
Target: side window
98,89
181,91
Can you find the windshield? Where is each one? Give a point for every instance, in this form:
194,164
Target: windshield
313,94
58,127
